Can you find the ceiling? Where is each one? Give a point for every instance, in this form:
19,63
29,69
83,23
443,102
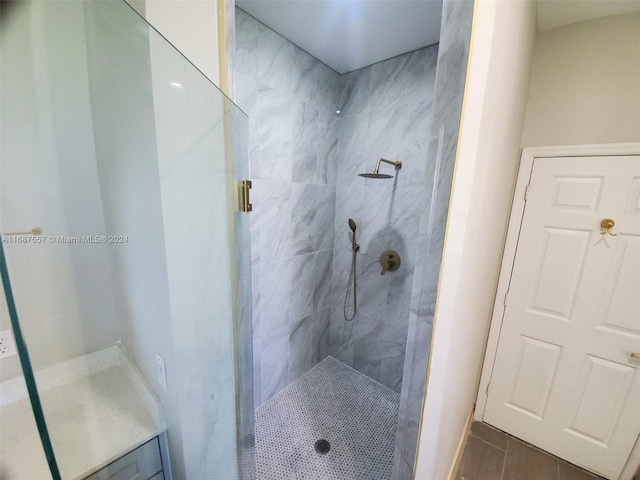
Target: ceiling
557,13
350,34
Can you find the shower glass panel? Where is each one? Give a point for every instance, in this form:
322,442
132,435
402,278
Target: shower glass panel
17,419
134,300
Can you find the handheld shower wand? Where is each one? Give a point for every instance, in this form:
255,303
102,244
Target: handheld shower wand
353,282
352,226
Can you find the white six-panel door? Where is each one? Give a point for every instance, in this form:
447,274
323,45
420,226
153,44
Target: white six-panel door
563,377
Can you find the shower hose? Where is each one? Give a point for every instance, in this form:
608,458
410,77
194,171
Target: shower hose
352,284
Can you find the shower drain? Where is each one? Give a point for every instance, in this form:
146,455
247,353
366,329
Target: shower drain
322,446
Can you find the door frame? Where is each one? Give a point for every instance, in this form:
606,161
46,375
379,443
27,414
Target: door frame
527,161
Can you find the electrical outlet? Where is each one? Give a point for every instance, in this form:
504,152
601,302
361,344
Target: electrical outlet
161,371
7,344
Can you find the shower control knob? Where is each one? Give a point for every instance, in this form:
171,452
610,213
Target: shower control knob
390,261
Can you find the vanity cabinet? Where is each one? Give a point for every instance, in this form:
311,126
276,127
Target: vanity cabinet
143,463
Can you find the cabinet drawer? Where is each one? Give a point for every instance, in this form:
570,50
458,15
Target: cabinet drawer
141,464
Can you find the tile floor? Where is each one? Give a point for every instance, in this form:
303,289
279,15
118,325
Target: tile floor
358,417
332,401
493,455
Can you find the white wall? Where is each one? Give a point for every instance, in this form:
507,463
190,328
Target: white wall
125,138
192,27
63,292
488,152
585,84
126,148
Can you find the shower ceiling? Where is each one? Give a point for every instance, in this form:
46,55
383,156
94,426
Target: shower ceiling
350,34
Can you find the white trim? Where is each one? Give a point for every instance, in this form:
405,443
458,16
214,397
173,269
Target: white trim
598,150
462,445
633,463
511,242
515,222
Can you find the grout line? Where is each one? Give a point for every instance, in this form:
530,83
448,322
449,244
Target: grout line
487,442
504,462
528,445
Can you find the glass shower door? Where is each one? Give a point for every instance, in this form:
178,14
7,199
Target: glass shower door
133,299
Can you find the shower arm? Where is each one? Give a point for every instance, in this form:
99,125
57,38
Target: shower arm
398,165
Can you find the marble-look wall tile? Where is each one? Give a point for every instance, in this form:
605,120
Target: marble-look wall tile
390,219
322,270
341,266
386,113
302,286
321,325
254,221
275,295
328,147
408,126
349,204
247,94
301,356
230,39
247,35
315,146
312,218
405,79
415,375
356,92
279,61
317,84
341,336
256,306
275,116
368,345
372,286
306,141
272,218
274,363
257,373
447,105
379,349
391,372
352,145
300,150
435,153
291,100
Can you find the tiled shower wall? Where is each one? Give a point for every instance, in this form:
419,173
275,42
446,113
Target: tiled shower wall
449,90
291,99
306,159
386,112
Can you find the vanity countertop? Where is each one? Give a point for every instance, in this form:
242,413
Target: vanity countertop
92,421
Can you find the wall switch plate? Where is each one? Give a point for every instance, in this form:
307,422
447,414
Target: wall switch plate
161,371
7,344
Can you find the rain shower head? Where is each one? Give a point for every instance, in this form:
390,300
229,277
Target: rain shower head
352,225
376,173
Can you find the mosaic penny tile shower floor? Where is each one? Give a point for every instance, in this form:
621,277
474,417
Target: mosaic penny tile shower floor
354,414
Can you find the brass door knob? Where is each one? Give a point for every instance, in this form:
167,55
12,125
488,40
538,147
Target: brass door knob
607,224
